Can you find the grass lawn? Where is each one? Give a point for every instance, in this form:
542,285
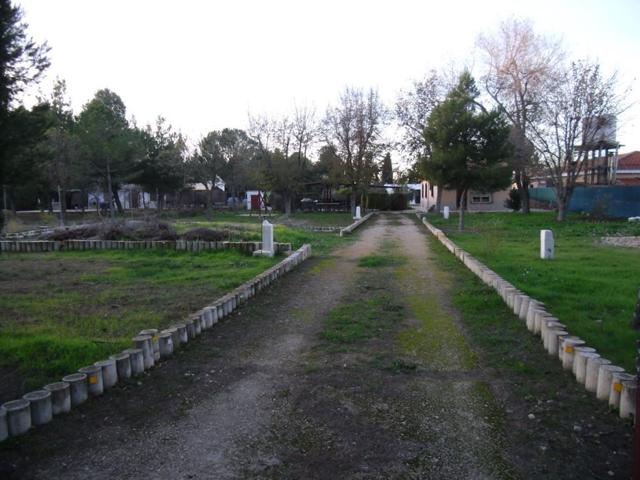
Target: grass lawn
590,287
61,311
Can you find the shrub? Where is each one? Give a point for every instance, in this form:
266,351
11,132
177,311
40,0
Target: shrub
514,201
385,201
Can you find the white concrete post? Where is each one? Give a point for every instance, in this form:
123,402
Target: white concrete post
445,212
267,238
358,213
547,246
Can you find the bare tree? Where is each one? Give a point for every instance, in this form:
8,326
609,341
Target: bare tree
412,111
520,67
569,124
304,128
354,129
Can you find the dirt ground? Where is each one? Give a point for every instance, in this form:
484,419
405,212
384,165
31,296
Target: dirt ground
265,395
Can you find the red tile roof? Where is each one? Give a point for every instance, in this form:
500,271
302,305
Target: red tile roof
629,161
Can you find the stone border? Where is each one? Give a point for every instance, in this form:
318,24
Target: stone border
182,245
150,346
608,382
355,224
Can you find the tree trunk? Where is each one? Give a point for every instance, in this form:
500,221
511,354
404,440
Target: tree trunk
287,203
62,196
116,198
522,182
110,191
562,209
354,197
461,210
438,198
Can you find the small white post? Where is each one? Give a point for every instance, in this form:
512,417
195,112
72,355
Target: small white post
445,212
358,214
547,247
267,241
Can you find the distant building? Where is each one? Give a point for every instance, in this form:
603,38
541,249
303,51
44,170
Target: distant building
476,201
628,169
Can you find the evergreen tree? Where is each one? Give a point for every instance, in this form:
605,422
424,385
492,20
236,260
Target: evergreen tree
387,169
470,149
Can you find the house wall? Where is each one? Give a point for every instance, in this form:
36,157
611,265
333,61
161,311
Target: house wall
428,196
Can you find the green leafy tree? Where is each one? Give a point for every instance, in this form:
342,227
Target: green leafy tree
110,148
22,61
162,168
387,169
22,157
61,147
469,144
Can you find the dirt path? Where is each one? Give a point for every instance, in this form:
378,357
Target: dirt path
354,366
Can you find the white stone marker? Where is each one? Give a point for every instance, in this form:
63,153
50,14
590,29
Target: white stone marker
267,241
358,214
547,247
445,212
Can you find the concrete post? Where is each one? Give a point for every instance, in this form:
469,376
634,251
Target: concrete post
358,213
182,332
77,388
94,379
580,364
175,336
628,399
445,212
605,376
617,379
565,353
551,324
60,397
191,328
267,241
166,345
123,364
524,308
4,428
547,246
593,372
18,416
197,325
577,352
153,333
109,372
136,358
553,340
143,342
41,408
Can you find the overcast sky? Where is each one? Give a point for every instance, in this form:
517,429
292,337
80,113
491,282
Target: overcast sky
205,64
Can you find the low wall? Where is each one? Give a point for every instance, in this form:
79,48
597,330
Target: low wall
354,225
150,346
609,383
183,245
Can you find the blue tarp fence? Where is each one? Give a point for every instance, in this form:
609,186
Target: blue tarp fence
611,201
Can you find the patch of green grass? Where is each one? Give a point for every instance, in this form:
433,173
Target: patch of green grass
48,357
66,309
590,287
361,319
436,340
381,260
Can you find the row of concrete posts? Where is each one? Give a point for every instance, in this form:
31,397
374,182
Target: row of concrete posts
608,382
149,347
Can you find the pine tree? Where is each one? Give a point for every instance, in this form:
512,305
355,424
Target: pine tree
469,144
387,169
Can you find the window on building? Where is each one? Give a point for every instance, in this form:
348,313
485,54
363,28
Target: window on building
477,197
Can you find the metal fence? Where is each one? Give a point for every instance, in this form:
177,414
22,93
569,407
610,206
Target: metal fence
610,201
